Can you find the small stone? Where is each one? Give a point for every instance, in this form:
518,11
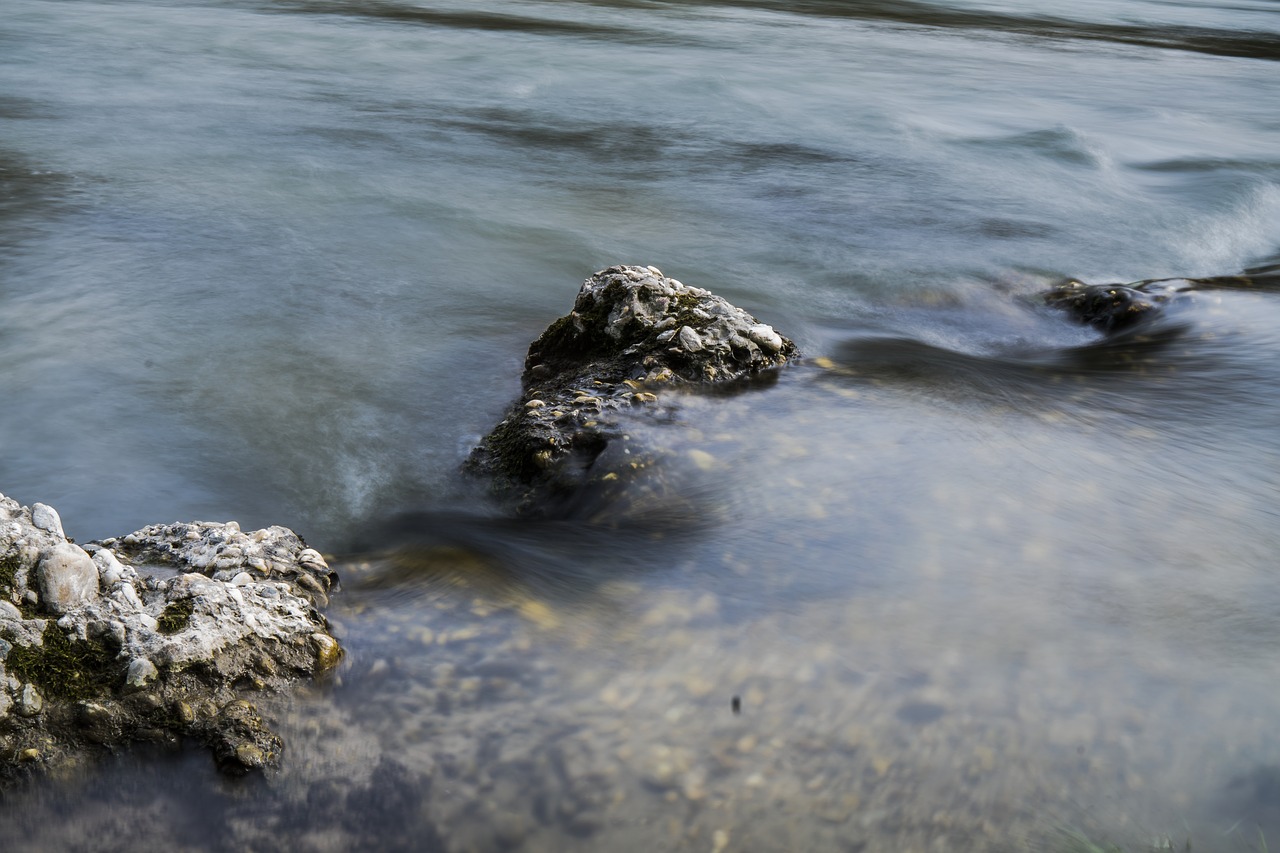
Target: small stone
328,652
115,633
29,755
312,557
764,335
241,579
141,672
535,404
107,563
184,713
702,459
46,518
309,583
694,785
68,577
126,594
9,610
250,756
689,340
30,702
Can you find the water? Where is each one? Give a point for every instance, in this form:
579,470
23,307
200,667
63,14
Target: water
974,580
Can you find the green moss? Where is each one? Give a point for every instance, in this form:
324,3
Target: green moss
65,668
10,563
176,616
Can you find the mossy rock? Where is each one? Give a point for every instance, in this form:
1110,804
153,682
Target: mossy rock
176,616
66,668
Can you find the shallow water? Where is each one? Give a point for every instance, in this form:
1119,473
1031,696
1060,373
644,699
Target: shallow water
974,576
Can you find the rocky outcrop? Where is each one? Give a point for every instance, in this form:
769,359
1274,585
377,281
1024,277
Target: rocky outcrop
153,636
1115,307
633,335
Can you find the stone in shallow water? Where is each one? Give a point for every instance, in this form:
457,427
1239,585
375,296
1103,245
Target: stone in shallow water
630,327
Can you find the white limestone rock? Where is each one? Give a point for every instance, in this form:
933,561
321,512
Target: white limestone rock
47,519
185,639
68,577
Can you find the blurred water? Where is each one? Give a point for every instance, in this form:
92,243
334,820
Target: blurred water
279,262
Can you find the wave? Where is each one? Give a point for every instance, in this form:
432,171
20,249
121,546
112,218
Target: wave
1252,44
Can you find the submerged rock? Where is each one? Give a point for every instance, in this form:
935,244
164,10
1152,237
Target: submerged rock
153,635
1115,307
632,335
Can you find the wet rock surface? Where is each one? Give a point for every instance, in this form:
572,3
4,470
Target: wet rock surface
633,336
152,636
1115,307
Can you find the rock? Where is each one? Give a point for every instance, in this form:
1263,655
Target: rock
147,623
222,551
30,702
241,741
631,330
328,652
1116,307
47,519
140,673
68,577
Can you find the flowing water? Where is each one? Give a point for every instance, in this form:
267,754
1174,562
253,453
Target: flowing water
968,578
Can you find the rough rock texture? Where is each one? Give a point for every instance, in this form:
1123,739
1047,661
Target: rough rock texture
151,636
633,333
1115,307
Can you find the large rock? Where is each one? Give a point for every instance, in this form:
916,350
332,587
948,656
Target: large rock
632,336
152,636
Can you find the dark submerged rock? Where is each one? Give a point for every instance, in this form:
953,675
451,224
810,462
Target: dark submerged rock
632,335
1115,307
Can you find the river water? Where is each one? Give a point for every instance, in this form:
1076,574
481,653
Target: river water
965,579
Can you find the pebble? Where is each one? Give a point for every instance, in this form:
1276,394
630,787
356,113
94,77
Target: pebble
328,653
141,672
67,576
30,702
47,519
764,335
689,340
